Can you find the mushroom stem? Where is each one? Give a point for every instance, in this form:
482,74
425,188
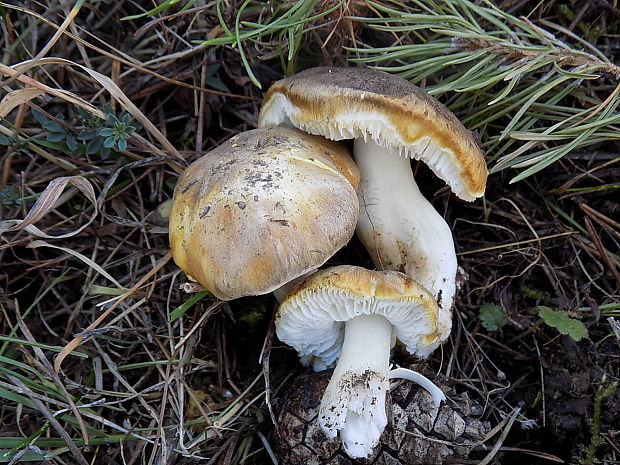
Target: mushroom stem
401,229
354,401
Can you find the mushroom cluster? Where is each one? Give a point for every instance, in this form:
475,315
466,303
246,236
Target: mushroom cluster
391,122
263,211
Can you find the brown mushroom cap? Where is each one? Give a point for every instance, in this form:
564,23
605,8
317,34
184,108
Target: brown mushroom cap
344,103
263,208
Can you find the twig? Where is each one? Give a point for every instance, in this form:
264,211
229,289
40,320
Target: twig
517,243
601,249
264,361
601,219
515,53
508,421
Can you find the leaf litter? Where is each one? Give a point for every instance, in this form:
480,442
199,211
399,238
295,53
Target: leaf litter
548,241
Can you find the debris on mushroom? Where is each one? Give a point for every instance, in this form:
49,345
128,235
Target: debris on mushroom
264,208
418,432
354,315
391,121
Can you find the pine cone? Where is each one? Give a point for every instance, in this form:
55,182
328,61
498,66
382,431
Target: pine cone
418,434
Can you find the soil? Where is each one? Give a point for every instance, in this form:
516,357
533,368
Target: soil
549,241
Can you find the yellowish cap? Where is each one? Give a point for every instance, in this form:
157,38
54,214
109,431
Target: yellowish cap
263,208
311,317
348,103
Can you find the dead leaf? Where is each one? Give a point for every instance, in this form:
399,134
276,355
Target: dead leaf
46,202
215,32
85,259
16,98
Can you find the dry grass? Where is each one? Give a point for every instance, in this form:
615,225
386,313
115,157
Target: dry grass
94,368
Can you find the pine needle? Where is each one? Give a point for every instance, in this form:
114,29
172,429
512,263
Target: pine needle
505,76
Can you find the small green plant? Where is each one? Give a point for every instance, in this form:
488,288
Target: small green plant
563,323
252,317
589,453
96,135
56,131
163,6
10,197
493,317
535,294
109,134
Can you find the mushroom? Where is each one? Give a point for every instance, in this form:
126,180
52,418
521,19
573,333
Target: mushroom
264,208
391,121
353,314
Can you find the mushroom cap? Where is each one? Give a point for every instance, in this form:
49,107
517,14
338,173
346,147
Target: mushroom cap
311,317
348,103
263,208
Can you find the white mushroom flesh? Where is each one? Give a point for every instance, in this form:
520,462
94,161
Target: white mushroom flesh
401,229
354,401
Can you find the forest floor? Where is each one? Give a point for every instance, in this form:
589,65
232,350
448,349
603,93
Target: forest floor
96,128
